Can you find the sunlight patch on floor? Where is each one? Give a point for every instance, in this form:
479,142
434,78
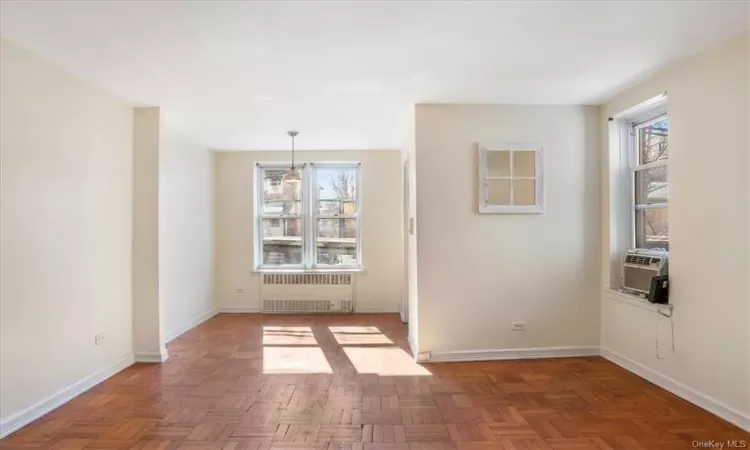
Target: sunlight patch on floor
384,361
293,360
359,335
280,335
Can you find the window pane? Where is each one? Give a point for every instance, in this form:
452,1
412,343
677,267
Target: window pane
279,196
337,190
337,207
498,163
337,241
282,241
524,163
498,192
652,228
651,186
652,142
524,192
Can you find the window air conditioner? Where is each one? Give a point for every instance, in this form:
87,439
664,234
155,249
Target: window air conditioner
639,266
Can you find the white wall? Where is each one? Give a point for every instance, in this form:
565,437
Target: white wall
65,230
377,290
478,273
185,232
708,225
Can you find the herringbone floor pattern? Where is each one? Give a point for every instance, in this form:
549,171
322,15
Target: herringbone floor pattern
259,382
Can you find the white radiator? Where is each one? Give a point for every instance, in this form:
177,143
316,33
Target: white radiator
307,292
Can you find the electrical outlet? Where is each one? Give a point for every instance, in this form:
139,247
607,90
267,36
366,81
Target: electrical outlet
240,291
98,339
518,326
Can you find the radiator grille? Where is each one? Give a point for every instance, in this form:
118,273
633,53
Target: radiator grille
330,279
302,306
306,306
307,293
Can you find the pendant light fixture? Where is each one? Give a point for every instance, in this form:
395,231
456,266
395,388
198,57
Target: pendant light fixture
293,174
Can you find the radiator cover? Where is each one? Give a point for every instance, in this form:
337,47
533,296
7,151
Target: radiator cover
307,293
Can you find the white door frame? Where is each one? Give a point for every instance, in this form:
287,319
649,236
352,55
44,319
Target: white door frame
405,240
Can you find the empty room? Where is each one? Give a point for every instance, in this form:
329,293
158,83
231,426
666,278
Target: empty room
374,225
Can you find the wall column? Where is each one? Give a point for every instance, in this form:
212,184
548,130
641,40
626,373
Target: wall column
148,320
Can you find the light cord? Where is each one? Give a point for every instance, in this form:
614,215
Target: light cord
663,312
292,152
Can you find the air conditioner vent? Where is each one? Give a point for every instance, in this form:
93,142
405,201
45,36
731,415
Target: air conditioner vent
641,260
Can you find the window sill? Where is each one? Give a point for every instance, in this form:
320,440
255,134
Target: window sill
342,270
636,300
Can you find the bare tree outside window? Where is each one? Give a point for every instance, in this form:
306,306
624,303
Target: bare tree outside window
344,184
337,223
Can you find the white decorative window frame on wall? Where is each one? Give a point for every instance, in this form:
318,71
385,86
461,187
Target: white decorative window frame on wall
484,178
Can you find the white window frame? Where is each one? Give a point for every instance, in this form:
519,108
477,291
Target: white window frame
634,124
309,218
512,147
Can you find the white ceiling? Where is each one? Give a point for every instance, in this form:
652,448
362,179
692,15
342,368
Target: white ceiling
238,74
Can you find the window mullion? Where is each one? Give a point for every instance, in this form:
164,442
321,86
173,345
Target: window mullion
313,211
314,194
307,187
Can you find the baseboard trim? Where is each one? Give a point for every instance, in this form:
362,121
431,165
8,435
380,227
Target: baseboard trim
184,329
64,395
238,309
699,399
513,353
412,346
151,357
364,309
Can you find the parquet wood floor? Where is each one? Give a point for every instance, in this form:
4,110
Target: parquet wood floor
260,382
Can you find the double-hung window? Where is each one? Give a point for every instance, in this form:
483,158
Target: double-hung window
650,183
308,224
